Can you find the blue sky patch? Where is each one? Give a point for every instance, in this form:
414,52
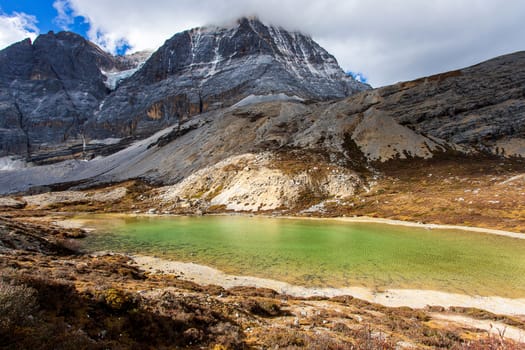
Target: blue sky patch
358,76
46,15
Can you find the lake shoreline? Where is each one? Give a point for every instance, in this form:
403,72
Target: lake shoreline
68,223
174,306
414,298
372,220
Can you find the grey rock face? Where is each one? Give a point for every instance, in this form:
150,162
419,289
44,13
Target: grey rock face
62,88
477,106
207,68
48,90
462,111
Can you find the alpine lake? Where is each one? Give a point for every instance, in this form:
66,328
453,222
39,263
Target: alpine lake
323,253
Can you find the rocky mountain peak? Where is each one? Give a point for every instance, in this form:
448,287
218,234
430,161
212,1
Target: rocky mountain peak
212,67
70,56
48,89
62,56
62,90
207,51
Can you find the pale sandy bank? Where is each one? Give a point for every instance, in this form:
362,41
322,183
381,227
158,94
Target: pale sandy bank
371,220
414,298
83,223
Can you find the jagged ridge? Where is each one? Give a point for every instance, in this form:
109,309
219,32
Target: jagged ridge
208,68
63,90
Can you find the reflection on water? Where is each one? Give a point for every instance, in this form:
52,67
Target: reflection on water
325,253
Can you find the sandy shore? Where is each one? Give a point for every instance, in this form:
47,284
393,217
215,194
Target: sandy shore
371,220
413,298
394,297
80,223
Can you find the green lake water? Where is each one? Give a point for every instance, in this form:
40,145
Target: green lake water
324,253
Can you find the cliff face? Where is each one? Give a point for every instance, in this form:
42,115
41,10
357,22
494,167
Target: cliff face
482,106
208,68
49,89
62,89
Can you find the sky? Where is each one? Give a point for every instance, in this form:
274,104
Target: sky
381,41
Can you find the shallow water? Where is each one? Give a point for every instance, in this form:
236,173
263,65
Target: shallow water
325,253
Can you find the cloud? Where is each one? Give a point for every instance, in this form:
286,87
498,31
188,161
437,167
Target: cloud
16,27
64,18
388,41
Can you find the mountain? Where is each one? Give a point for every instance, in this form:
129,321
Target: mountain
208,68
49,88
232,123
467,113
63,91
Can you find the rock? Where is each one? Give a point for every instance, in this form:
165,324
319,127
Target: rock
261,185
11,203
482,106
208,68
49,88
56,93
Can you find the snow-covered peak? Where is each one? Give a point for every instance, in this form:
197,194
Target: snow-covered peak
205,69
208,52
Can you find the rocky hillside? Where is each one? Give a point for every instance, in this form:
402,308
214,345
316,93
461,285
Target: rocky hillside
482,106
62,94
333,135
267,145
49,88
355,133
208,68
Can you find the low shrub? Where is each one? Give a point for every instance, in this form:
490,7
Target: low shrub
18,303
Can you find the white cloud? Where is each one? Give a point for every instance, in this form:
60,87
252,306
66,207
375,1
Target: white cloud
64,16
16,27
388,41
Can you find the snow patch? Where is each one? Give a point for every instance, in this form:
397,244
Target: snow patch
114,78
217,58
11,163
108,141
266,98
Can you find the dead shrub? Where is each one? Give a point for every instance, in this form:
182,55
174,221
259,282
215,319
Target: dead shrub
492,342
18,303
367,339
264,308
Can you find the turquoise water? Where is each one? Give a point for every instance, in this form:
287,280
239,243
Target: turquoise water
325,253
